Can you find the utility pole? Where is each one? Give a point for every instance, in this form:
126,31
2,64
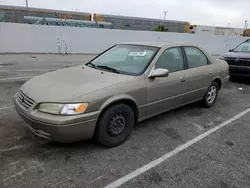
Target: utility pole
246,25
245,29
27,5
165,14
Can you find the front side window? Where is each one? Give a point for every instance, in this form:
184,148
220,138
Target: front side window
195,57
245,47
125,59
171,59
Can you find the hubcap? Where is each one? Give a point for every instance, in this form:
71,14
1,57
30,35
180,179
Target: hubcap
116,125
212,92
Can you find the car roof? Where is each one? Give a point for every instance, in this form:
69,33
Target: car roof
160,44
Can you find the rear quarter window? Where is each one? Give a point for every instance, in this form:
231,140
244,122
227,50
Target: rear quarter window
195,57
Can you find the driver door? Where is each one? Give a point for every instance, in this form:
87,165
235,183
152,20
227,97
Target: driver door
164,93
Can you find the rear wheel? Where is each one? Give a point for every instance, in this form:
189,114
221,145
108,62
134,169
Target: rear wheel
211,95
115,125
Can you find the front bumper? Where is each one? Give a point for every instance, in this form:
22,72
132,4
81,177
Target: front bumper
58,131
243,71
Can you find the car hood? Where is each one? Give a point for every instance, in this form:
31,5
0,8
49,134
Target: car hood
237,55
66,84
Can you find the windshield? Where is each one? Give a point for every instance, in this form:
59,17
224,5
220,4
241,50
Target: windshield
245,47
125,59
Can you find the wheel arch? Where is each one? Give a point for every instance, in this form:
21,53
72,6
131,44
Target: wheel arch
218,81
124,99
118,100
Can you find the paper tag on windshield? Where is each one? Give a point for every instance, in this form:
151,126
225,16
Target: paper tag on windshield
140,54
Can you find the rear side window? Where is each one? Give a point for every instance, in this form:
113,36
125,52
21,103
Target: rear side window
195,57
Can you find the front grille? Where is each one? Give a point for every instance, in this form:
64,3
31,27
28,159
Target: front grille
24,100
239,62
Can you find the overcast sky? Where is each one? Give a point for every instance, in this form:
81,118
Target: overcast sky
200,12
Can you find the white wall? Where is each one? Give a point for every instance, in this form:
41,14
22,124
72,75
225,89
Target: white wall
24,38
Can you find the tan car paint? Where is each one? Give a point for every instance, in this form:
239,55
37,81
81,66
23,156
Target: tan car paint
66,84
101,89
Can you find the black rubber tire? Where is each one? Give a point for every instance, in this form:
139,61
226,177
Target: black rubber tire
205,102
101,133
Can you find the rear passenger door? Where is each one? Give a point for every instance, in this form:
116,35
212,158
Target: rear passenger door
200,72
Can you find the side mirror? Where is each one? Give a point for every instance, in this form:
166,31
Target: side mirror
159,73
231,50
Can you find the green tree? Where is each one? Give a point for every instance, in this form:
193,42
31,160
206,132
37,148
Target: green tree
161,28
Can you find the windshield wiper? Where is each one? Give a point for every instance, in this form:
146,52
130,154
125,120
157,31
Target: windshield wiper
108,68
92,64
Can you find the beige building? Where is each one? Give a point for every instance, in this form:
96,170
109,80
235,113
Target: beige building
213,30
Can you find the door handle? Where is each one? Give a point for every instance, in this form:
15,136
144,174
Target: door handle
211,73
183,80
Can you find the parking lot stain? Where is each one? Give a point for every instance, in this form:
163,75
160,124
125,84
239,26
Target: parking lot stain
67,158
229,143
172,133
223,184
135,147
195,113
185,172
154,177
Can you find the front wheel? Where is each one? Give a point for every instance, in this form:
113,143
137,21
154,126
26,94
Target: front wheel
115,125
211,95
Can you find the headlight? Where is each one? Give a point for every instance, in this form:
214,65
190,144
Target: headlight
51,108
222,57
72,109
63,109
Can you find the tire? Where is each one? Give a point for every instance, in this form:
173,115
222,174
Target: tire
211,95
115,125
